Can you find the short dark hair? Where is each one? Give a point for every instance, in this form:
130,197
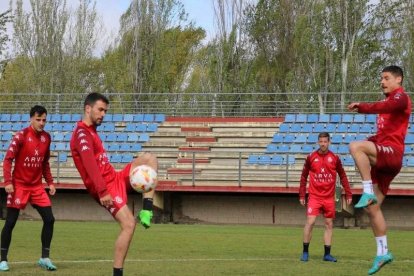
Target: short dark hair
37,109
395,70
324,134
93,97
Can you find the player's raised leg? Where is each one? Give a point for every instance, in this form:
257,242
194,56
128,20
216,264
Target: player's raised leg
145,215
127,222
365,156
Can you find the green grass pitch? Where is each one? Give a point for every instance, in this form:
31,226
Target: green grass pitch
86,248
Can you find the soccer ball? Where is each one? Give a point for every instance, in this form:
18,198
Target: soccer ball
143,179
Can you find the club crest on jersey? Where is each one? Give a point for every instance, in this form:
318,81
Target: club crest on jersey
42,139
118,200
330,159
309,210
30,139
17,201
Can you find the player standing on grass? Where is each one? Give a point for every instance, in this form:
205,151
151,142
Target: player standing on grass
107,186
379,158
322,165
30,150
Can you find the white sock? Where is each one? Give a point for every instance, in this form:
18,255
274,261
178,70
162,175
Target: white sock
367,184
382,247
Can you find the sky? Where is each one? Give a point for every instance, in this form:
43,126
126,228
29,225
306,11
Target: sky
201,12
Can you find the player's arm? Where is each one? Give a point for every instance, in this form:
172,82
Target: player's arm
84,146
344,180
46,172
303,180
12,151
396,102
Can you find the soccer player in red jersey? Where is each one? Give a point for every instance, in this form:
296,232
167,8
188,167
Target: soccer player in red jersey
322,165
379,158
107,186
30,150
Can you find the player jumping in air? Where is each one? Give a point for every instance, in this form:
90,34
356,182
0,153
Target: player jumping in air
379,158
107,186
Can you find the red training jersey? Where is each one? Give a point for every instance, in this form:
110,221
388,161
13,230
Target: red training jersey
322,168
392,122
30,151
91,160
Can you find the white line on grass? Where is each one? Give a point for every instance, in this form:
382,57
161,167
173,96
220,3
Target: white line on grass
202,260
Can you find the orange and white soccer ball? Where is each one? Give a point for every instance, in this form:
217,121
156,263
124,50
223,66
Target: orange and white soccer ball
143,179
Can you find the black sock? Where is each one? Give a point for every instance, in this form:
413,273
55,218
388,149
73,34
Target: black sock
118,271
305,247
147,203
45,252
327,250
4,252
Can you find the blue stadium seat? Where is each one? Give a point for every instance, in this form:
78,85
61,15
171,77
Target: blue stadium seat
62,157
301,139
347,160
6,136
333,148
59,147
347,118
138,117
319,128
130,127
312,118
128,117
408,149
117,117
122,137
348,138
25,118
113,147
110,127
353,128
152,127
48,127
67,127
342,128
330,128
371,118
111,137
360,137
55,117
359,118
336,118
159,118
289,138
301,118
295,127
276,160
365,128
115,158
141,127
307,148
336,139
149,117
409,139
307,128
67,137
271,148
67,118
58,136
16,126
343,149
253,159
1,156
15,118
290,118
5,117
290,160
410,161
143,137
136,147
284,128
6,126
324,118
102,136
312,138
57,127
77,117
124,147
264,160
295,148
108,117
127,158
133,137
282,149
277,138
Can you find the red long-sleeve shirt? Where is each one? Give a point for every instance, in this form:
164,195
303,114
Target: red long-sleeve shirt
91,160
392,122
30,151
322,169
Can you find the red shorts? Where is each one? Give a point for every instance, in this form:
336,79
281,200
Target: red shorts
118,189
22,195
317,206
389,163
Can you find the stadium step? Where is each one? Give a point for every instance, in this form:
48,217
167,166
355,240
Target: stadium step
194,148
190,160
196,129
201,139
182,171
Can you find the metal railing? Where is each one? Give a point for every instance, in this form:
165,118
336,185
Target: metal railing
249,104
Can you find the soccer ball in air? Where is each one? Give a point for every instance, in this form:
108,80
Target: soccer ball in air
143,179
